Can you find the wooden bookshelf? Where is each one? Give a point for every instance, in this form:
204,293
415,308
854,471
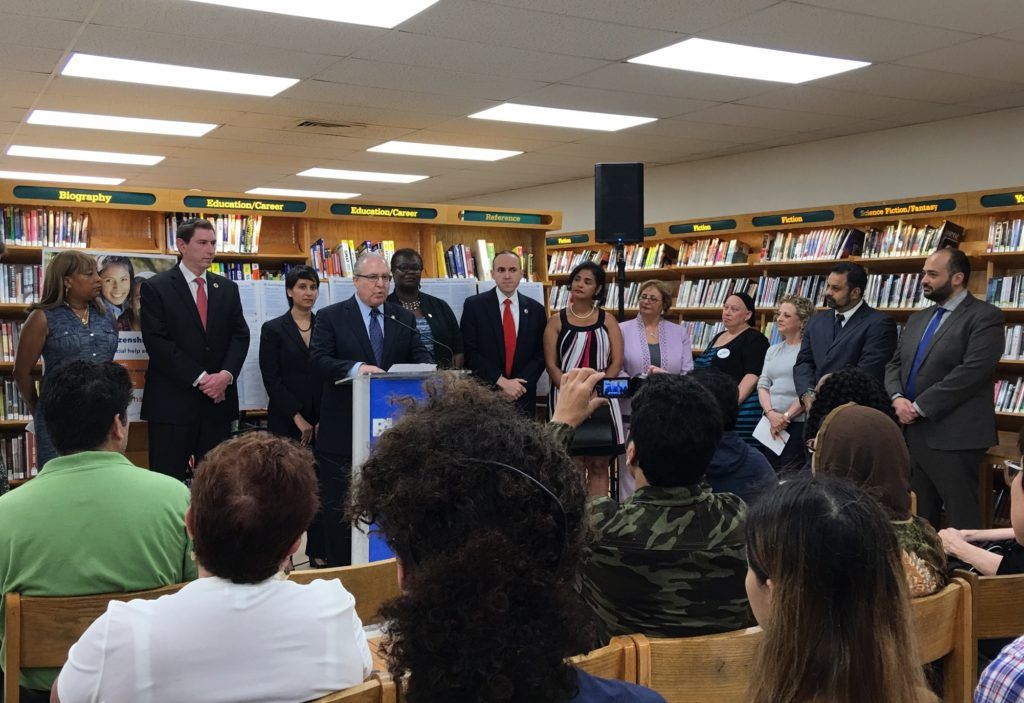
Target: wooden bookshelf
13,311
7,367
13,425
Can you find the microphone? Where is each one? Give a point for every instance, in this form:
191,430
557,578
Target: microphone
451,351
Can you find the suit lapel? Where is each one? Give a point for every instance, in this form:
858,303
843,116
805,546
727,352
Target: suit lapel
291,331
355,322
857,319
497,327
525,322
391,331
182,287
952,319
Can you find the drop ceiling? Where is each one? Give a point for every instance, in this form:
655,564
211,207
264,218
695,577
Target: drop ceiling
419,82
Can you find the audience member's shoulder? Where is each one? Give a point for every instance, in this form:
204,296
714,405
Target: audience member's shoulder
600,510
322,594
595,690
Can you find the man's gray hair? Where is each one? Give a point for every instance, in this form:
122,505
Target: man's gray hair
368,256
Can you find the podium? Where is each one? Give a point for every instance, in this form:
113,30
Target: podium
374,411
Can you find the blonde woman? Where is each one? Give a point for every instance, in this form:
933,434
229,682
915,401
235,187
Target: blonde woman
69,323
776,390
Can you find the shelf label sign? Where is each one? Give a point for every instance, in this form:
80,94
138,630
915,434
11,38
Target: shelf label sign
390,212
505,218
82,196
567,239
649,232
698,227
921,207
1002,199
203,202
794,218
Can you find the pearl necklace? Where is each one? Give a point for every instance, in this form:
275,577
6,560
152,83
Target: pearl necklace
572,312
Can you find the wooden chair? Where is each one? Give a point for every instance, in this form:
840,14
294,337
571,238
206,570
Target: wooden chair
698,669
996,611
617,660
942,628
39,631
371,584
378,689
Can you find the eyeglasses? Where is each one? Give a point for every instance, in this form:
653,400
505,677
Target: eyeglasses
651,298
405,268
375,277
1012,469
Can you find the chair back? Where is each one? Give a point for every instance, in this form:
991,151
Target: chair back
617,660
698,669
380,688
942,630
39,631
996,611
371,584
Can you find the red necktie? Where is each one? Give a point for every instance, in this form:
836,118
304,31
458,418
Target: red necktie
201,300
509,327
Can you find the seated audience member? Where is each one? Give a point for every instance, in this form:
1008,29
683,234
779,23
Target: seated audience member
485,512
91,521
669,562
864,446
826,584
238,633
997,552
1002,681
736,467
849,385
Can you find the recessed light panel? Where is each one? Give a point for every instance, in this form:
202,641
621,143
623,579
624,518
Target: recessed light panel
380,13
373,176
557,117
113,123
443,151
289,193
105,157
60,178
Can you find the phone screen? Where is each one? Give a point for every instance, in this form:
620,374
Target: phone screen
614,388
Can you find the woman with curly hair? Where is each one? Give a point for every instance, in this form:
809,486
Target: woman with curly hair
849,385
485,512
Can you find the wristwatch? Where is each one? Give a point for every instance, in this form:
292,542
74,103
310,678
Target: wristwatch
786,415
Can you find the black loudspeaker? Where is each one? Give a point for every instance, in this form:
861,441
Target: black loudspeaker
619,203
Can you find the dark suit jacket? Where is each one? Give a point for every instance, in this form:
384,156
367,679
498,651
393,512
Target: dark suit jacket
288,376
180,349
867,341
484,341
339,342
954,382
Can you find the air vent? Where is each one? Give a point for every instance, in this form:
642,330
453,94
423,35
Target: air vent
317,124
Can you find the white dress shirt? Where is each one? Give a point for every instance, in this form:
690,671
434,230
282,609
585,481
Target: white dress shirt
193,288
514,307
849,313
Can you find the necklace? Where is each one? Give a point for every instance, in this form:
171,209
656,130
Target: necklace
585,315
412,305
84,320
301,328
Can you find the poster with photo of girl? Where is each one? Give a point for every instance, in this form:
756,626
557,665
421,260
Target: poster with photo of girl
121,276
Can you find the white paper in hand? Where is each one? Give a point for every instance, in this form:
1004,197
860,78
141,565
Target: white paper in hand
763,434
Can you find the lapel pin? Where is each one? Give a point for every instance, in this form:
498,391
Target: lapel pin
526,311
216,285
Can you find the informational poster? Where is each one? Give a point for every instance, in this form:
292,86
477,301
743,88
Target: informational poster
122,275
531,289
453,291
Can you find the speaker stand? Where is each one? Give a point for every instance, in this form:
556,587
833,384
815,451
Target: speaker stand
620,277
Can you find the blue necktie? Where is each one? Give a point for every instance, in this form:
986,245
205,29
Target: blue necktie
910,391
376,337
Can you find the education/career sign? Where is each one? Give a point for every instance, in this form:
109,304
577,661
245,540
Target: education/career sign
204,202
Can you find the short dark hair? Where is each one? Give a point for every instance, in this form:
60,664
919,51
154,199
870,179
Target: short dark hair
79,401
252,497
405,253
958,263
297,273
675,428
599,276
856,276
187,228
848,385
724,390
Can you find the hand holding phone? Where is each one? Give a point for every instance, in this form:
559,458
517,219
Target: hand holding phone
613,388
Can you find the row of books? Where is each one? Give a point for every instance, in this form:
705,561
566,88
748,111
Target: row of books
713,252
236,234
20,283
895,290
1013,348
1009,395
1006,291
12,407
771,289
566,260
43,227
1005,235
18,453
474,261
906,239
702,332
639,257
341,259
238,271
825,243
10,335
705,293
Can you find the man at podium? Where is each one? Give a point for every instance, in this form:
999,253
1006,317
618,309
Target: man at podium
361,335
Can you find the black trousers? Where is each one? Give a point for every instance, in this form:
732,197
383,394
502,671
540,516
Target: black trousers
335,474
793,457
945,478
171,445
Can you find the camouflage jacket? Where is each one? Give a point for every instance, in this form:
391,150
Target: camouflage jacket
669,562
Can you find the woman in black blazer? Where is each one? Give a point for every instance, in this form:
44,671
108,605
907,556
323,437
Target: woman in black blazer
293,389
435,320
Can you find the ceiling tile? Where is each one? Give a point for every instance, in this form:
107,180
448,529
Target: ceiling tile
23,81
574,97
781,120
810,98
651,80
916,84
299,110
41,32
29,58
735,134
998,59
367,96
933,114
77,10
994,16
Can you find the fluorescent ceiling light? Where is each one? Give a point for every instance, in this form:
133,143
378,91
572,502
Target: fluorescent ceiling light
119,124
165,74
443,151
341,175
303,193
724,59
557,117
61,178
381,13
106,157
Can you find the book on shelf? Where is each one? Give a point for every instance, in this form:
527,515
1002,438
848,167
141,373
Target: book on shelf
1013,346
895,290
236,234
711,293
827,243
565,260
713,252
43,227
249,271
907,239
10,335
341,259
1009,395
1006,291
13,407
639,257
461,261
702,332
1005,235
771,289
18,453
20,283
